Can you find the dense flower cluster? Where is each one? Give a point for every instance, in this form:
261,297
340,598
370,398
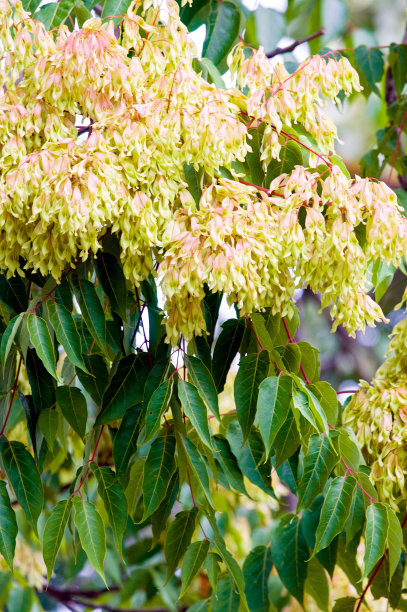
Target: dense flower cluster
151,116
378,413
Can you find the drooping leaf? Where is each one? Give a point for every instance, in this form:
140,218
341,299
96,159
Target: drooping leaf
256,572
194,179
157,405
158,470
73,406
229,465
273,405
41,382
382,275
134,487
125,441
112,279
194,557
42,342
48,422
178,538
54,14
349,448
91,533
198,467
376,530
203,381
287,439
96,381
8,526
226,348
126,388
356,518
310,520
13,293
394,541
160,516
222,29
211,566
54,532
114,502
250,457
317,585
328,399
290,554
370,65
7,338
345,604
226,597
398,64
195,410
66,332
92,311
115,8
23,475
290,156
335,510
319,462
252,371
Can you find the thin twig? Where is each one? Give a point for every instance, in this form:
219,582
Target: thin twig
295,44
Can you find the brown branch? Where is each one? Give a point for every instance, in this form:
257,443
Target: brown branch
295,44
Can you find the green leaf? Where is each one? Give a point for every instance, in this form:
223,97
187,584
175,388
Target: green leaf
135,485
256,572
290,554
115,8
382,275
229,465
313,406
317,585
8,526
255,139
328,399
273,405
376,530
287,440
265,27
41,382
160,516
13,293
370,65
112,279
226,597
54,532
92,311
290,156
198,466
31,5
7,338
211,566
157,405
125,441
42,342
319,462
345,604
349,449
203,381
199,606
195,410
250,457
309,361
23,475
194,180
214,76
96,381
158,469
114,502
126,388
222,29
54,14
73,407
356,518
82,14
226,348
335,511
252,371
91,533
48,422
66,332
178,538
394,541
194,557
398,64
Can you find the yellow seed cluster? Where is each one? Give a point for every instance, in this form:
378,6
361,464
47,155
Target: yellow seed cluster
378,413
151,114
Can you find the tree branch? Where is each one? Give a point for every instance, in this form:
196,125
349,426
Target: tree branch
295,44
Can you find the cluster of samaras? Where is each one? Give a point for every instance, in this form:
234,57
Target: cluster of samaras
152,116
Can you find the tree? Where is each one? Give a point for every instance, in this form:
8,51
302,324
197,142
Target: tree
138,193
